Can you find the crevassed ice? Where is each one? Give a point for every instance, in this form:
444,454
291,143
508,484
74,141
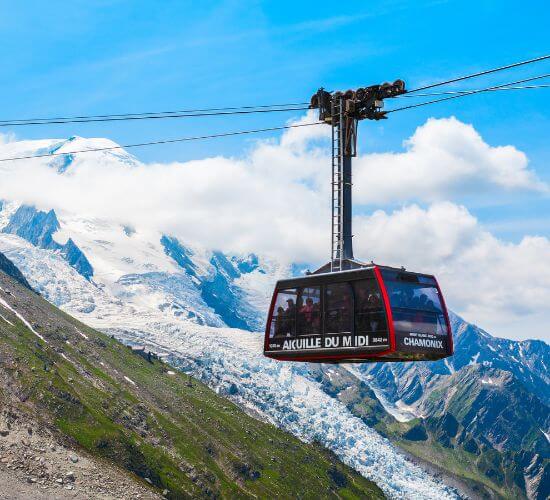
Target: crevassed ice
231,362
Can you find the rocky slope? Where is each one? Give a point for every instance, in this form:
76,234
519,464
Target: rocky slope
486,422
82,412
487,415
481,415
8,267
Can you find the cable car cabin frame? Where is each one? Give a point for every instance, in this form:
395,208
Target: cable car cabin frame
374,313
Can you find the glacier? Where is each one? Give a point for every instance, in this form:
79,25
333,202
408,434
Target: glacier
231,362
142,296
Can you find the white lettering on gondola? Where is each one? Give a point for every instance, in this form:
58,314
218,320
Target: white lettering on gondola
305,343
361,341
430,343
332,342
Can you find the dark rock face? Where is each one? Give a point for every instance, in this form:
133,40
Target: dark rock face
416,433
74,256
35,227
218,288
444,429
249,265
218,292
337,477
179,253
8,267
38,227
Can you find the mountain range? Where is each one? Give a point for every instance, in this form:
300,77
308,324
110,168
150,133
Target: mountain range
476,424
84,416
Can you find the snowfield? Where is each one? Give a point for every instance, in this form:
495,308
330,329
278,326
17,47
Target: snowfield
228,360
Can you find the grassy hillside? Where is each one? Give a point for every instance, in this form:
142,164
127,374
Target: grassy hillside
157,423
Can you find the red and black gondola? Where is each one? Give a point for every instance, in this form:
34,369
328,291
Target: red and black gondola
348,311
373,313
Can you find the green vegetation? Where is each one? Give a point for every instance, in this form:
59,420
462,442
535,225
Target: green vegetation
160,424
487,435
460,464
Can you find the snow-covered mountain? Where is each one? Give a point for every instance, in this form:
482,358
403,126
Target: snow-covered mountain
151,271
199,309
181,300
527,360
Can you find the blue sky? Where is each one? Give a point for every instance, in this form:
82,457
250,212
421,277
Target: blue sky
82,57
453,201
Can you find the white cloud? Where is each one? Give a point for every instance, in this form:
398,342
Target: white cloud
503,287
275,200
444,159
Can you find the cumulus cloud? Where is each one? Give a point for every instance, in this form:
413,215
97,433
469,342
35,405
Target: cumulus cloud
503,287
275,200
444,159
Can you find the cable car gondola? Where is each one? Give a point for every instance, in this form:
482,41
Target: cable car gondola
371,313
348,311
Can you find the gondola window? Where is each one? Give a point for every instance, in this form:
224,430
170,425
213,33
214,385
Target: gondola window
370,316
338,308
309,311
284,314
416,303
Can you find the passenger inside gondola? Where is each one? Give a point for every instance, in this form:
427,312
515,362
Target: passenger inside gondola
280,322
338,308
284,320
369,312
290,318
308,314
290,307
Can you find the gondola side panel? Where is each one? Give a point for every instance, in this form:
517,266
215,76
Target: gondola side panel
419,318
332,317
269,321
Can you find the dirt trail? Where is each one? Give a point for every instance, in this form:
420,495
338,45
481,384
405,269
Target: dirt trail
35,464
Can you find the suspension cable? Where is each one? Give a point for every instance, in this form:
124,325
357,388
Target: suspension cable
296,106
146,116
480,73
164,141
466,93
455,92
200,110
